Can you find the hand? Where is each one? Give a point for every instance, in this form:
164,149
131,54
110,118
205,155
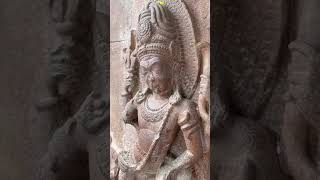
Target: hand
203,104
164,173
130,62
129,58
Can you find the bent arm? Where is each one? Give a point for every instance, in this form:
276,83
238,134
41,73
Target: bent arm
130,113
189,123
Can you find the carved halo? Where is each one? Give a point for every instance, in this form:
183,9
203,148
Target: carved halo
187,57
186,62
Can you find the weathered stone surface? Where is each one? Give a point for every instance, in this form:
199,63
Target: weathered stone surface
249,88
127,13
181,58
250,52
75,106
300,130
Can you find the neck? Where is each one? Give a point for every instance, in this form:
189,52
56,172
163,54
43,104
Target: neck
162,96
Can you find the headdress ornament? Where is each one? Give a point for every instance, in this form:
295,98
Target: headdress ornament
165,29
156,31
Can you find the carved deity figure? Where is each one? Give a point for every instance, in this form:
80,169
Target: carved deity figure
169,131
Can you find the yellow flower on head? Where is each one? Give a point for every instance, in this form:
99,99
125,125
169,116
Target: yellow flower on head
162,3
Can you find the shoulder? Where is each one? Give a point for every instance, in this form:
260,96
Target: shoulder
186,105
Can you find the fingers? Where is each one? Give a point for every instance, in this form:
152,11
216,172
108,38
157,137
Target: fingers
129,58
202,106
133,59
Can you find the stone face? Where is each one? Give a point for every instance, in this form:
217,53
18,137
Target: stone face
154,47
265,101
126,15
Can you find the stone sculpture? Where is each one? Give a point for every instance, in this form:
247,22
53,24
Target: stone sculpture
77,106
161,77
245,71
300,132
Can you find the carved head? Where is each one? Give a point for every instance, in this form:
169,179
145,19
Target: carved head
156,34
157,74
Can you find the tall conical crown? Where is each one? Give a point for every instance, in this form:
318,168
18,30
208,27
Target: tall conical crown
156,31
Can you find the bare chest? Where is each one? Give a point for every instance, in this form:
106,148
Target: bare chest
155,119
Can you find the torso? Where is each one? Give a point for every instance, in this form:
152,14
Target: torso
150,121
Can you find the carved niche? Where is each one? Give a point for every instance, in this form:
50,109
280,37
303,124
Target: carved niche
165,98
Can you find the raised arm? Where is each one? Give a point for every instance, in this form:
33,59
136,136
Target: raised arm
130,71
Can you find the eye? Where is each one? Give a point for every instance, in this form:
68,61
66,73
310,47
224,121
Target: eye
143,71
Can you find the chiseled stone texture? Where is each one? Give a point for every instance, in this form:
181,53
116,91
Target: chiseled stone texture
123,18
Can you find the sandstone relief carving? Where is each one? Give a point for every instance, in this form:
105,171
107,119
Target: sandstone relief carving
300,132
265,90
246,71
166,74
77,104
